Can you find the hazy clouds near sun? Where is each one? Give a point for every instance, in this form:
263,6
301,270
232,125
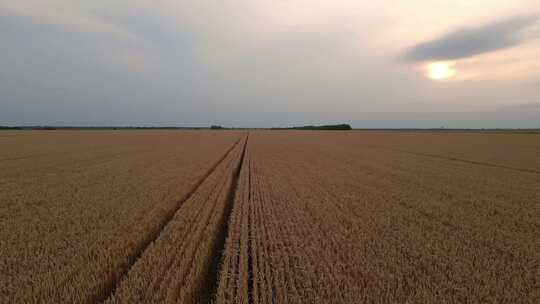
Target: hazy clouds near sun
269,63
471,41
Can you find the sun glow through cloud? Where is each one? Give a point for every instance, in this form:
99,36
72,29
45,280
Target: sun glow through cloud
441,70
294,62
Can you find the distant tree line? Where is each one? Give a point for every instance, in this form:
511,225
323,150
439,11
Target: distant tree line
99,128
323,127
212,127
309,127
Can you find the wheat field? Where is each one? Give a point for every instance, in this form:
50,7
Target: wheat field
269,217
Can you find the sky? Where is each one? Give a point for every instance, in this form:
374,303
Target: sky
271,63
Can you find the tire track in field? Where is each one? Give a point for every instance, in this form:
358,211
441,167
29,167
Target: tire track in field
21,157
250,243
212,281
467,161
102,295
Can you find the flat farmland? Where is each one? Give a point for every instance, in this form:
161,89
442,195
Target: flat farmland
269,217
77,208
385,218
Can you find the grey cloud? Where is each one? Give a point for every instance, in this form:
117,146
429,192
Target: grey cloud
471,41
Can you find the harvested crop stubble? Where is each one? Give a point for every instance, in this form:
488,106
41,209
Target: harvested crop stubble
332,218
175,268
77,207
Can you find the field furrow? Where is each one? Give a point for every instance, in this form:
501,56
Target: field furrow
235,275
70,230
333,221
177,267
269,217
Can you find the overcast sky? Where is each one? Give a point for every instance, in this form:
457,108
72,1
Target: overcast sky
263,63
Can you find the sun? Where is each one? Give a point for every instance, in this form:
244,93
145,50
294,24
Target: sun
441,70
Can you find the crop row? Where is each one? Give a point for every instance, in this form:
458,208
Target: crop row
176,267
320,222
77,208
276,217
